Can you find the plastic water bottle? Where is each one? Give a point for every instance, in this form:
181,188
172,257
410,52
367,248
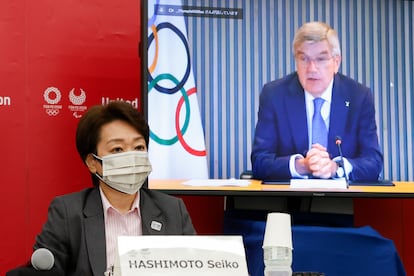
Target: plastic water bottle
278,261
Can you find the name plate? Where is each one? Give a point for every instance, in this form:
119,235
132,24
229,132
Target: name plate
181,256
339,183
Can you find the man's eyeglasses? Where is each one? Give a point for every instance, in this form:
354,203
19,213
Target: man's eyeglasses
304,60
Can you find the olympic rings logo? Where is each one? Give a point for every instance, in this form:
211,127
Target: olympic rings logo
52,112
188,68
179,86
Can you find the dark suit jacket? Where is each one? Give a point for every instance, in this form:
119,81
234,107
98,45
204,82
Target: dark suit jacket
75,228
282,128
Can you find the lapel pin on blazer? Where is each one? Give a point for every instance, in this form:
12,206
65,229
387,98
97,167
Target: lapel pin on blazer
347,103
155,225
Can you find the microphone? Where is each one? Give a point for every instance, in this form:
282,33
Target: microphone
338,142
42,259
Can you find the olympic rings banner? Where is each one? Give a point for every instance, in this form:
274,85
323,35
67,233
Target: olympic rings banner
177,146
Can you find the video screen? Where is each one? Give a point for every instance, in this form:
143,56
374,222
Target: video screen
230,49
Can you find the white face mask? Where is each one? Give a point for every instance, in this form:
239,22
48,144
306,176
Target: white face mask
125,172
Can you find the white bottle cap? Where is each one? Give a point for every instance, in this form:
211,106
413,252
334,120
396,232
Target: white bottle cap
278,231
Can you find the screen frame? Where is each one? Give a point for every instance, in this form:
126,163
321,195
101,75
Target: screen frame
373,77
143,52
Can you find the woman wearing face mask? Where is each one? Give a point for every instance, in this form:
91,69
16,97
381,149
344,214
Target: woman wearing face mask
82,228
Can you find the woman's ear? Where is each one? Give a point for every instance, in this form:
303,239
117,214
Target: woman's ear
90,161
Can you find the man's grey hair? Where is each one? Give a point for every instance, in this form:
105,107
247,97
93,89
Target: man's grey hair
316,32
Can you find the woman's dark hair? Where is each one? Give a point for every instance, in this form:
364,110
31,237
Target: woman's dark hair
90,125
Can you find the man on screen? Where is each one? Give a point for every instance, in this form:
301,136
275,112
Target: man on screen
303,116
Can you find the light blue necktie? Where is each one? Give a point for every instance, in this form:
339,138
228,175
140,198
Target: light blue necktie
319,131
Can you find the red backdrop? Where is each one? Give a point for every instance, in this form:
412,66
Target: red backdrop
88,49
48,49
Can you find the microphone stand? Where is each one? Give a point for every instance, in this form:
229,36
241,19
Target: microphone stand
341,162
